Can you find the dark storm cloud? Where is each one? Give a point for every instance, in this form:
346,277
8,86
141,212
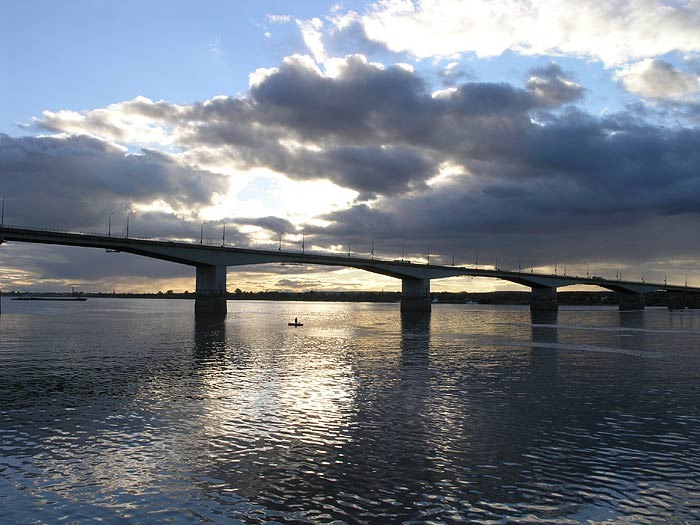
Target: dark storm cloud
77,181
553,87
271,224
370,170
362,101
376,130
542,225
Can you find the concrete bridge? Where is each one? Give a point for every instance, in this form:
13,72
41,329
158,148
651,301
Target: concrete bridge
211,262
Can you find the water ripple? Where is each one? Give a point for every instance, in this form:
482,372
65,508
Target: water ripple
471,415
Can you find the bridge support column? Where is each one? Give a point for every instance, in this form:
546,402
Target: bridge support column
543,299
630,301
210,297
693,301
676,300
415,295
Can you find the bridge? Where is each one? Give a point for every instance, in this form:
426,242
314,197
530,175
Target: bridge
211,262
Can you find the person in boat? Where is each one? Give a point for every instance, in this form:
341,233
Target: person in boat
295,321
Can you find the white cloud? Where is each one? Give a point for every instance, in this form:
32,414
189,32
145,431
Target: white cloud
125,122
614,32
313,37
258,76
278,19
659,80
215,47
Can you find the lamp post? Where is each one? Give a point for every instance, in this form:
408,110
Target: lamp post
201,233
303,240
223,237
2,216
128,213
109,227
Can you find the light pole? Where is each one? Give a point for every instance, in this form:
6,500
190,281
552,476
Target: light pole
201,233
2,216
303,240
109,227
128,213
223,237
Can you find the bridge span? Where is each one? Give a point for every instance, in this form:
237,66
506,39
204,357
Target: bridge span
211,262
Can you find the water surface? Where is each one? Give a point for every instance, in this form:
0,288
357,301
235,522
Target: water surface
133,410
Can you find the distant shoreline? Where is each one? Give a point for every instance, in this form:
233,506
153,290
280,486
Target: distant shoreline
506,298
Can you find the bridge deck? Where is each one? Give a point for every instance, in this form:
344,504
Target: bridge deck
203,254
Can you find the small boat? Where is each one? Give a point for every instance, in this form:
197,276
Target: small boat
295,324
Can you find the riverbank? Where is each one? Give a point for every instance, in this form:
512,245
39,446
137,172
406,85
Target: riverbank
505,297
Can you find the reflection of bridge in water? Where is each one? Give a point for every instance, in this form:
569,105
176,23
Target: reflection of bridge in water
211,262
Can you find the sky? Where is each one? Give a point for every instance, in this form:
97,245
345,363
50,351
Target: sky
517,134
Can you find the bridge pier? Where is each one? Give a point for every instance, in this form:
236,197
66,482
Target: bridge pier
692,301
543,299
676,300
415,295
210,298
630,301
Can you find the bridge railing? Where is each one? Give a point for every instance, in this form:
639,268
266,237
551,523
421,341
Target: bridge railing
271,248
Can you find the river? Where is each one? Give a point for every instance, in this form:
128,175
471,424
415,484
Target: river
133,411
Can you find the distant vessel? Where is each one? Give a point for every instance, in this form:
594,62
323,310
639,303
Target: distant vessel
295,324
49,299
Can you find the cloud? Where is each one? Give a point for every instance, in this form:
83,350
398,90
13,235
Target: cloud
274,225
313,37
588,29
657,79
553,87
76,181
